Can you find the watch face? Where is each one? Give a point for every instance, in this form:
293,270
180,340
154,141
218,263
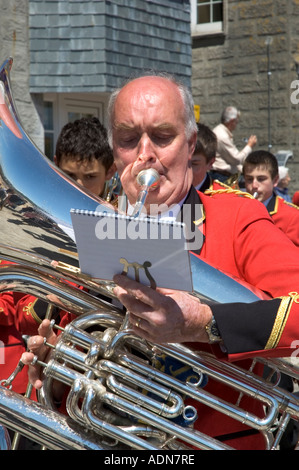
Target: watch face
214,330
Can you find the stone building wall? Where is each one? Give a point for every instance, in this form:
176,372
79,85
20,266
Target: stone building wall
92,46
233,69
14,35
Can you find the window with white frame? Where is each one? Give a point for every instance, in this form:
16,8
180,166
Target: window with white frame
207,17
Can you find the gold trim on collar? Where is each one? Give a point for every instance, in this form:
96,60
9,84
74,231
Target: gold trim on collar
275,206
238,192
201,220
211,187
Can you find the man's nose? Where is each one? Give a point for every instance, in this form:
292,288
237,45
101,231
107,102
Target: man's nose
145,146
145,157
146,154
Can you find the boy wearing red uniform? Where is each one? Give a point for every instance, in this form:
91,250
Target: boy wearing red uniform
261,177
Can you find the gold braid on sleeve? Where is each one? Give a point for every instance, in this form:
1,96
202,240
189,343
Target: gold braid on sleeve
281,319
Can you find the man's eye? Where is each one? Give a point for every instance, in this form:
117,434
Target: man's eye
162,139
128,140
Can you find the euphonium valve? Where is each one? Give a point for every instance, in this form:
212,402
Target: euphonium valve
146,179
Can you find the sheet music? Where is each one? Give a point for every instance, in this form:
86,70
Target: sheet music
154,251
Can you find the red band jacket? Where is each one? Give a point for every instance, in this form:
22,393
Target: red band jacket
286,216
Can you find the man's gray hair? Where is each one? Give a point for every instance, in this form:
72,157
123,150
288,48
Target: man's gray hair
229,113
283,171
190,121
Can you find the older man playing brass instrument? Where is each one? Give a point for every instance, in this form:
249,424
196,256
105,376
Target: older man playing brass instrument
152,125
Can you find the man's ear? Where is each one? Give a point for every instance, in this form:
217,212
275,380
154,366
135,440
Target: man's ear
55,160
110,172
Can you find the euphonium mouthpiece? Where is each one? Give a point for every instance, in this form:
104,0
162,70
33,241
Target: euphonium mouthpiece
147,177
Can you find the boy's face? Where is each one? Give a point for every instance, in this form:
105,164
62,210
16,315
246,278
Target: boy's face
258,179
200,167
90,174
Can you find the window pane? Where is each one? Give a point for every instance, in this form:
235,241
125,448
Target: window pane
48,115
217,13
49,145
207,17
73,116
203,14
48,129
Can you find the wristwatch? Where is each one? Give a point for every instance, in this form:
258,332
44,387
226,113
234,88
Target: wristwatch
213,332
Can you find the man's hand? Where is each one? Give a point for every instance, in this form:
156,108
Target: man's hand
37,348
252,141
163,315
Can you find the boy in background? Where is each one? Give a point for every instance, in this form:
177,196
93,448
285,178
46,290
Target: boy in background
83,153
202,160
261,176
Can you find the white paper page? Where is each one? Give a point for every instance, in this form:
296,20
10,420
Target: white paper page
103,240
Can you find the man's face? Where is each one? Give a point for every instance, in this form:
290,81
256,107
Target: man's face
90,174
149,132
200,167
258,179
234,124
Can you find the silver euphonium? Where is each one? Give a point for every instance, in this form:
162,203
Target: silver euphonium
119,397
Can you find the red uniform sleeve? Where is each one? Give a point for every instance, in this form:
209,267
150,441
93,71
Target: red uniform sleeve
7,309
